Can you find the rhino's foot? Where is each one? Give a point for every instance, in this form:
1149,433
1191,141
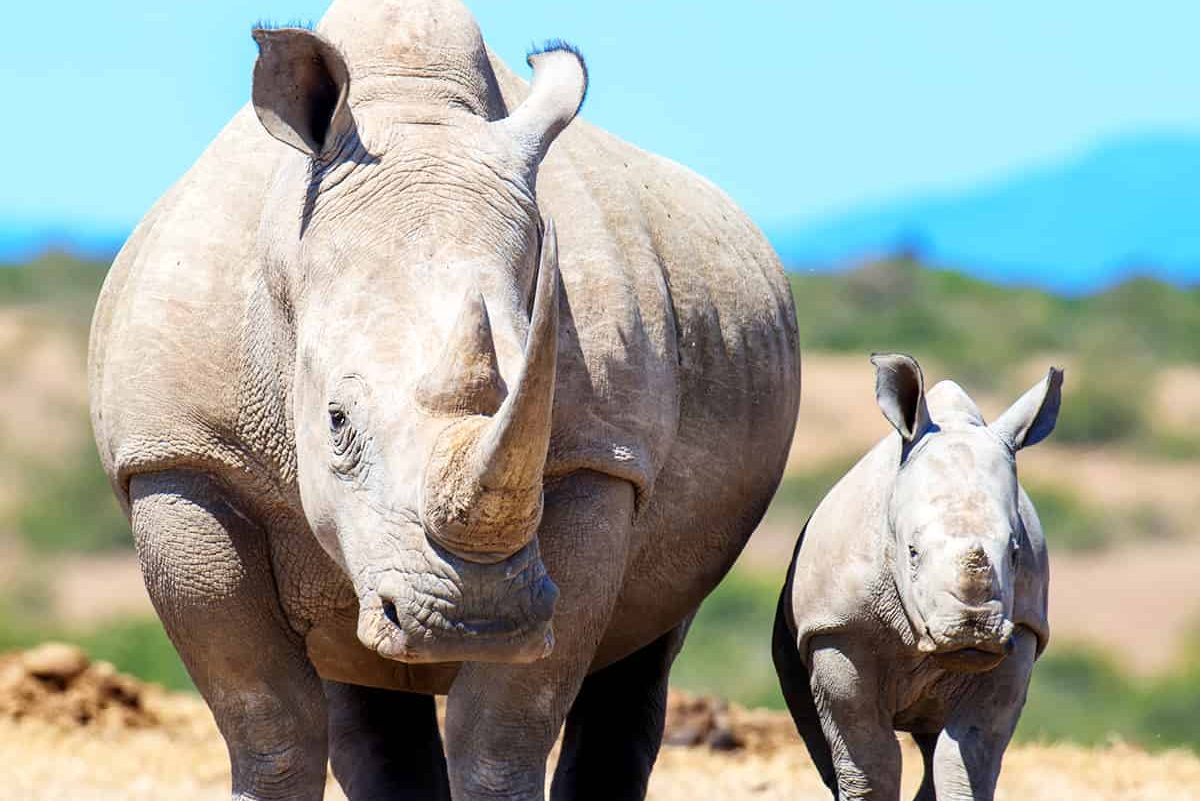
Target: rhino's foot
207,569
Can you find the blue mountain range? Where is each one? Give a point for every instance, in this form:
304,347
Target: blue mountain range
1131,206
1128,207
24,239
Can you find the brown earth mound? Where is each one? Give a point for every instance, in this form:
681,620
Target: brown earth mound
704,720
58,684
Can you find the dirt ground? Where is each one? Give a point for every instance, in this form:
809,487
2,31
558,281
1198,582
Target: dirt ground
79,731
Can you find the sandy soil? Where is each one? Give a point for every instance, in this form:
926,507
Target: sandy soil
1141,603
93,736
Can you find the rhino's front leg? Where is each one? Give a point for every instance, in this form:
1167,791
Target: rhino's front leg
966,763
847,688
502,719
208,572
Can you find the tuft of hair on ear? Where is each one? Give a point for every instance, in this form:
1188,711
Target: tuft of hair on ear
268,25
561,46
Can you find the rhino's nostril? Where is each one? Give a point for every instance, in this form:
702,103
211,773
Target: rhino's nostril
389,611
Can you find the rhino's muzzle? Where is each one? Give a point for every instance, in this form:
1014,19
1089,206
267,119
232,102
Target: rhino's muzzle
464,611
972,640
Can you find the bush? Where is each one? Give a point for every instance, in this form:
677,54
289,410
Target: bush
1069,524
1082,696
57,282
728,650
72,508
1103,406
978,330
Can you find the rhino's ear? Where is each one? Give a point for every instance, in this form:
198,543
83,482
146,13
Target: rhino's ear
900,392
559,85
301,83
1031,419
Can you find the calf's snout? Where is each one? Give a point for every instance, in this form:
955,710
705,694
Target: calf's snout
977,582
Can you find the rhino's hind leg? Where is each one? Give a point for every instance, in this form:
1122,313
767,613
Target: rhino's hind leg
208,572
796,685
615,726
385,744
927,742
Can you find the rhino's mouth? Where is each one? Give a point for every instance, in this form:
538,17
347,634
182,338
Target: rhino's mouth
971,660
457,611
976,640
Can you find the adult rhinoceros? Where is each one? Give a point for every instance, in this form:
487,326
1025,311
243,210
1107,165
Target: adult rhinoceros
381,435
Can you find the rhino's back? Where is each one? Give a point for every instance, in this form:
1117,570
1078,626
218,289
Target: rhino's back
684,313
167,361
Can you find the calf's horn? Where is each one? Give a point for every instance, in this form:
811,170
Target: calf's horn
482,495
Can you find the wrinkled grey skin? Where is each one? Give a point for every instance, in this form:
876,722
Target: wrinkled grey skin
916,599
410,388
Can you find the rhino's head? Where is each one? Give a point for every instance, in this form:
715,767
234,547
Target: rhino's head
953,510
412,268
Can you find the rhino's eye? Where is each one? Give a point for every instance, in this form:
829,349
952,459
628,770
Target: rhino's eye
337,419
912,554
1015,552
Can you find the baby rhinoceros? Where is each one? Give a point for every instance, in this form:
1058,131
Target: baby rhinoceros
916,599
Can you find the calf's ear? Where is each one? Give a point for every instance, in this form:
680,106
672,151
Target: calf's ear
1032,417
900,392
301,83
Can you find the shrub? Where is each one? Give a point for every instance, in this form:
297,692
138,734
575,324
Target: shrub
71,507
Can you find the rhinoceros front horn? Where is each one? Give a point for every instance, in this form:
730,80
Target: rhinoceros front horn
482,494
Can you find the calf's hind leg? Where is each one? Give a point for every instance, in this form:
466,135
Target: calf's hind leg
615,727
796,684
208,572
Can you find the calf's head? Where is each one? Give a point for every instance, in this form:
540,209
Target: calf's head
953,511
420,288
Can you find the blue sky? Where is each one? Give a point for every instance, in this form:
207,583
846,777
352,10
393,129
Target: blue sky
799,110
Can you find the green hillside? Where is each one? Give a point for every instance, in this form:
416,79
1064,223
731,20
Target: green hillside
1117,342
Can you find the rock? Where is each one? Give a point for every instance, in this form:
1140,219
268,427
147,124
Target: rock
55,660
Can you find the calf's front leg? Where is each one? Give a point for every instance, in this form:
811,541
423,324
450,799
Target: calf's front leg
502,719
966,762
846,685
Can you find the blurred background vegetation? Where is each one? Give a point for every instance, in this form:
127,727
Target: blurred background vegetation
1115,486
